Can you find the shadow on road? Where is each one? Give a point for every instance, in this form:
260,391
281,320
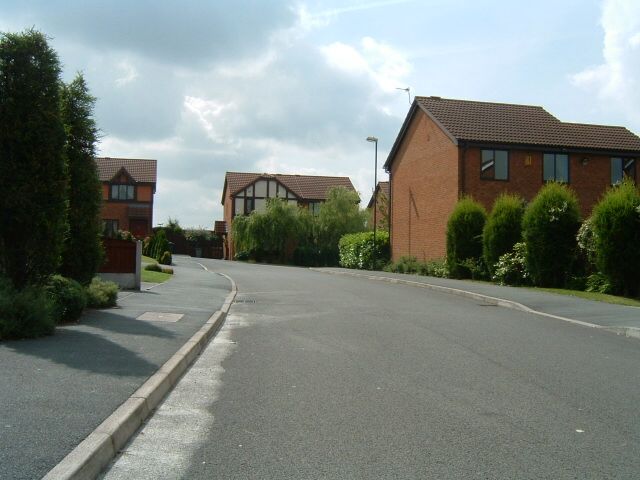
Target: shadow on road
113,322
86,351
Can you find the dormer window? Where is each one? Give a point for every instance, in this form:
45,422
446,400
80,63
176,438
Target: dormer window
122,192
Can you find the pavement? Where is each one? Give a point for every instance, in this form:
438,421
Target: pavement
616,318
58,389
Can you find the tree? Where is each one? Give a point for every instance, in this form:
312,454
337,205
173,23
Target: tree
503,228
464,237
33,180
549,228
339,215
616,231
82,253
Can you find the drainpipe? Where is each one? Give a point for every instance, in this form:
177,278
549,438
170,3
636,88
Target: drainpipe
462,155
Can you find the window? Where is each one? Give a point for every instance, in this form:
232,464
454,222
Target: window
495,165
556,167
622,167
314,207
122,192
110,228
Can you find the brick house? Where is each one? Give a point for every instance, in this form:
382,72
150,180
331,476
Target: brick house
245,192
381,198
128,186
449,148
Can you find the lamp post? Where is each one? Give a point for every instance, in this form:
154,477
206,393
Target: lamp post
375,199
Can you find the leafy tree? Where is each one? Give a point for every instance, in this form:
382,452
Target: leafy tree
549,229
616,230
33,180
503,228
82,252
173,225
339,215
464,237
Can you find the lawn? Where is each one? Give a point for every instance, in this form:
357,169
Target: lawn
599,297
146,259
155,277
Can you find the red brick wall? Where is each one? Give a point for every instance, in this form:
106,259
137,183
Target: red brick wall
114,210
589,181
424,190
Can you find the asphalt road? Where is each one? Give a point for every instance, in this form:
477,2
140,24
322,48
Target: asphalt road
322,376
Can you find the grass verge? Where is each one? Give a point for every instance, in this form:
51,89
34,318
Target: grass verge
155,277
146,259
599,297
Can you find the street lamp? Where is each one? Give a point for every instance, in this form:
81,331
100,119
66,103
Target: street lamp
375,199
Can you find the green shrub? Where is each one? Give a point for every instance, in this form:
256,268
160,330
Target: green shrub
165,258
616,225
503,228
357,250
406,264
26,313
599,283
438,268
464,236
511,267
102,294
160,244
68,298
549,229
167,270
153,267
242,256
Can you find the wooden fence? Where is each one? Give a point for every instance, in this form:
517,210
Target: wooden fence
120,256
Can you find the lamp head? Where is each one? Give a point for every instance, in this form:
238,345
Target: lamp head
372,139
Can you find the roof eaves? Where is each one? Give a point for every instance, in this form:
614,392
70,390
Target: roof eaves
405,127
439,124
400,136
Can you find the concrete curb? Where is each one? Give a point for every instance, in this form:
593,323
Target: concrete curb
95,452
630,332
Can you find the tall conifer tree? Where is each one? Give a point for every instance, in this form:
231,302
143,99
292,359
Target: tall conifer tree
32,167
82,251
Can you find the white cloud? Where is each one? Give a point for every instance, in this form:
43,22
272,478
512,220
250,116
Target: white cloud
129,73
616,80
383,64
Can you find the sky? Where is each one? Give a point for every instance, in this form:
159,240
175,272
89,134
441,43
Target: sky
296,87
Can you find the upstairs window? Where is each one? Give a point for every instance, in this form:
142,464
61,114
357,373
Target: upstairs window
556,167
495,165
122,192
314,208
622,167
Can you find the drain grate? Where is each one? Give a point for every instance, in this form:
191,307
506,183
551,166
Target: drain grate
245,300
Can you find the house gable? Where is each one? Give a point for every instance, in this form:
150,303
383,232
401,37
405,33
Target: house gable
424,188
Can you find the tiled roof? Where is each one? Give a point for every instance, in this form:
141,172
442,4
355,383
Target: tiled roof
306,187
383,187
141,170
523,125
